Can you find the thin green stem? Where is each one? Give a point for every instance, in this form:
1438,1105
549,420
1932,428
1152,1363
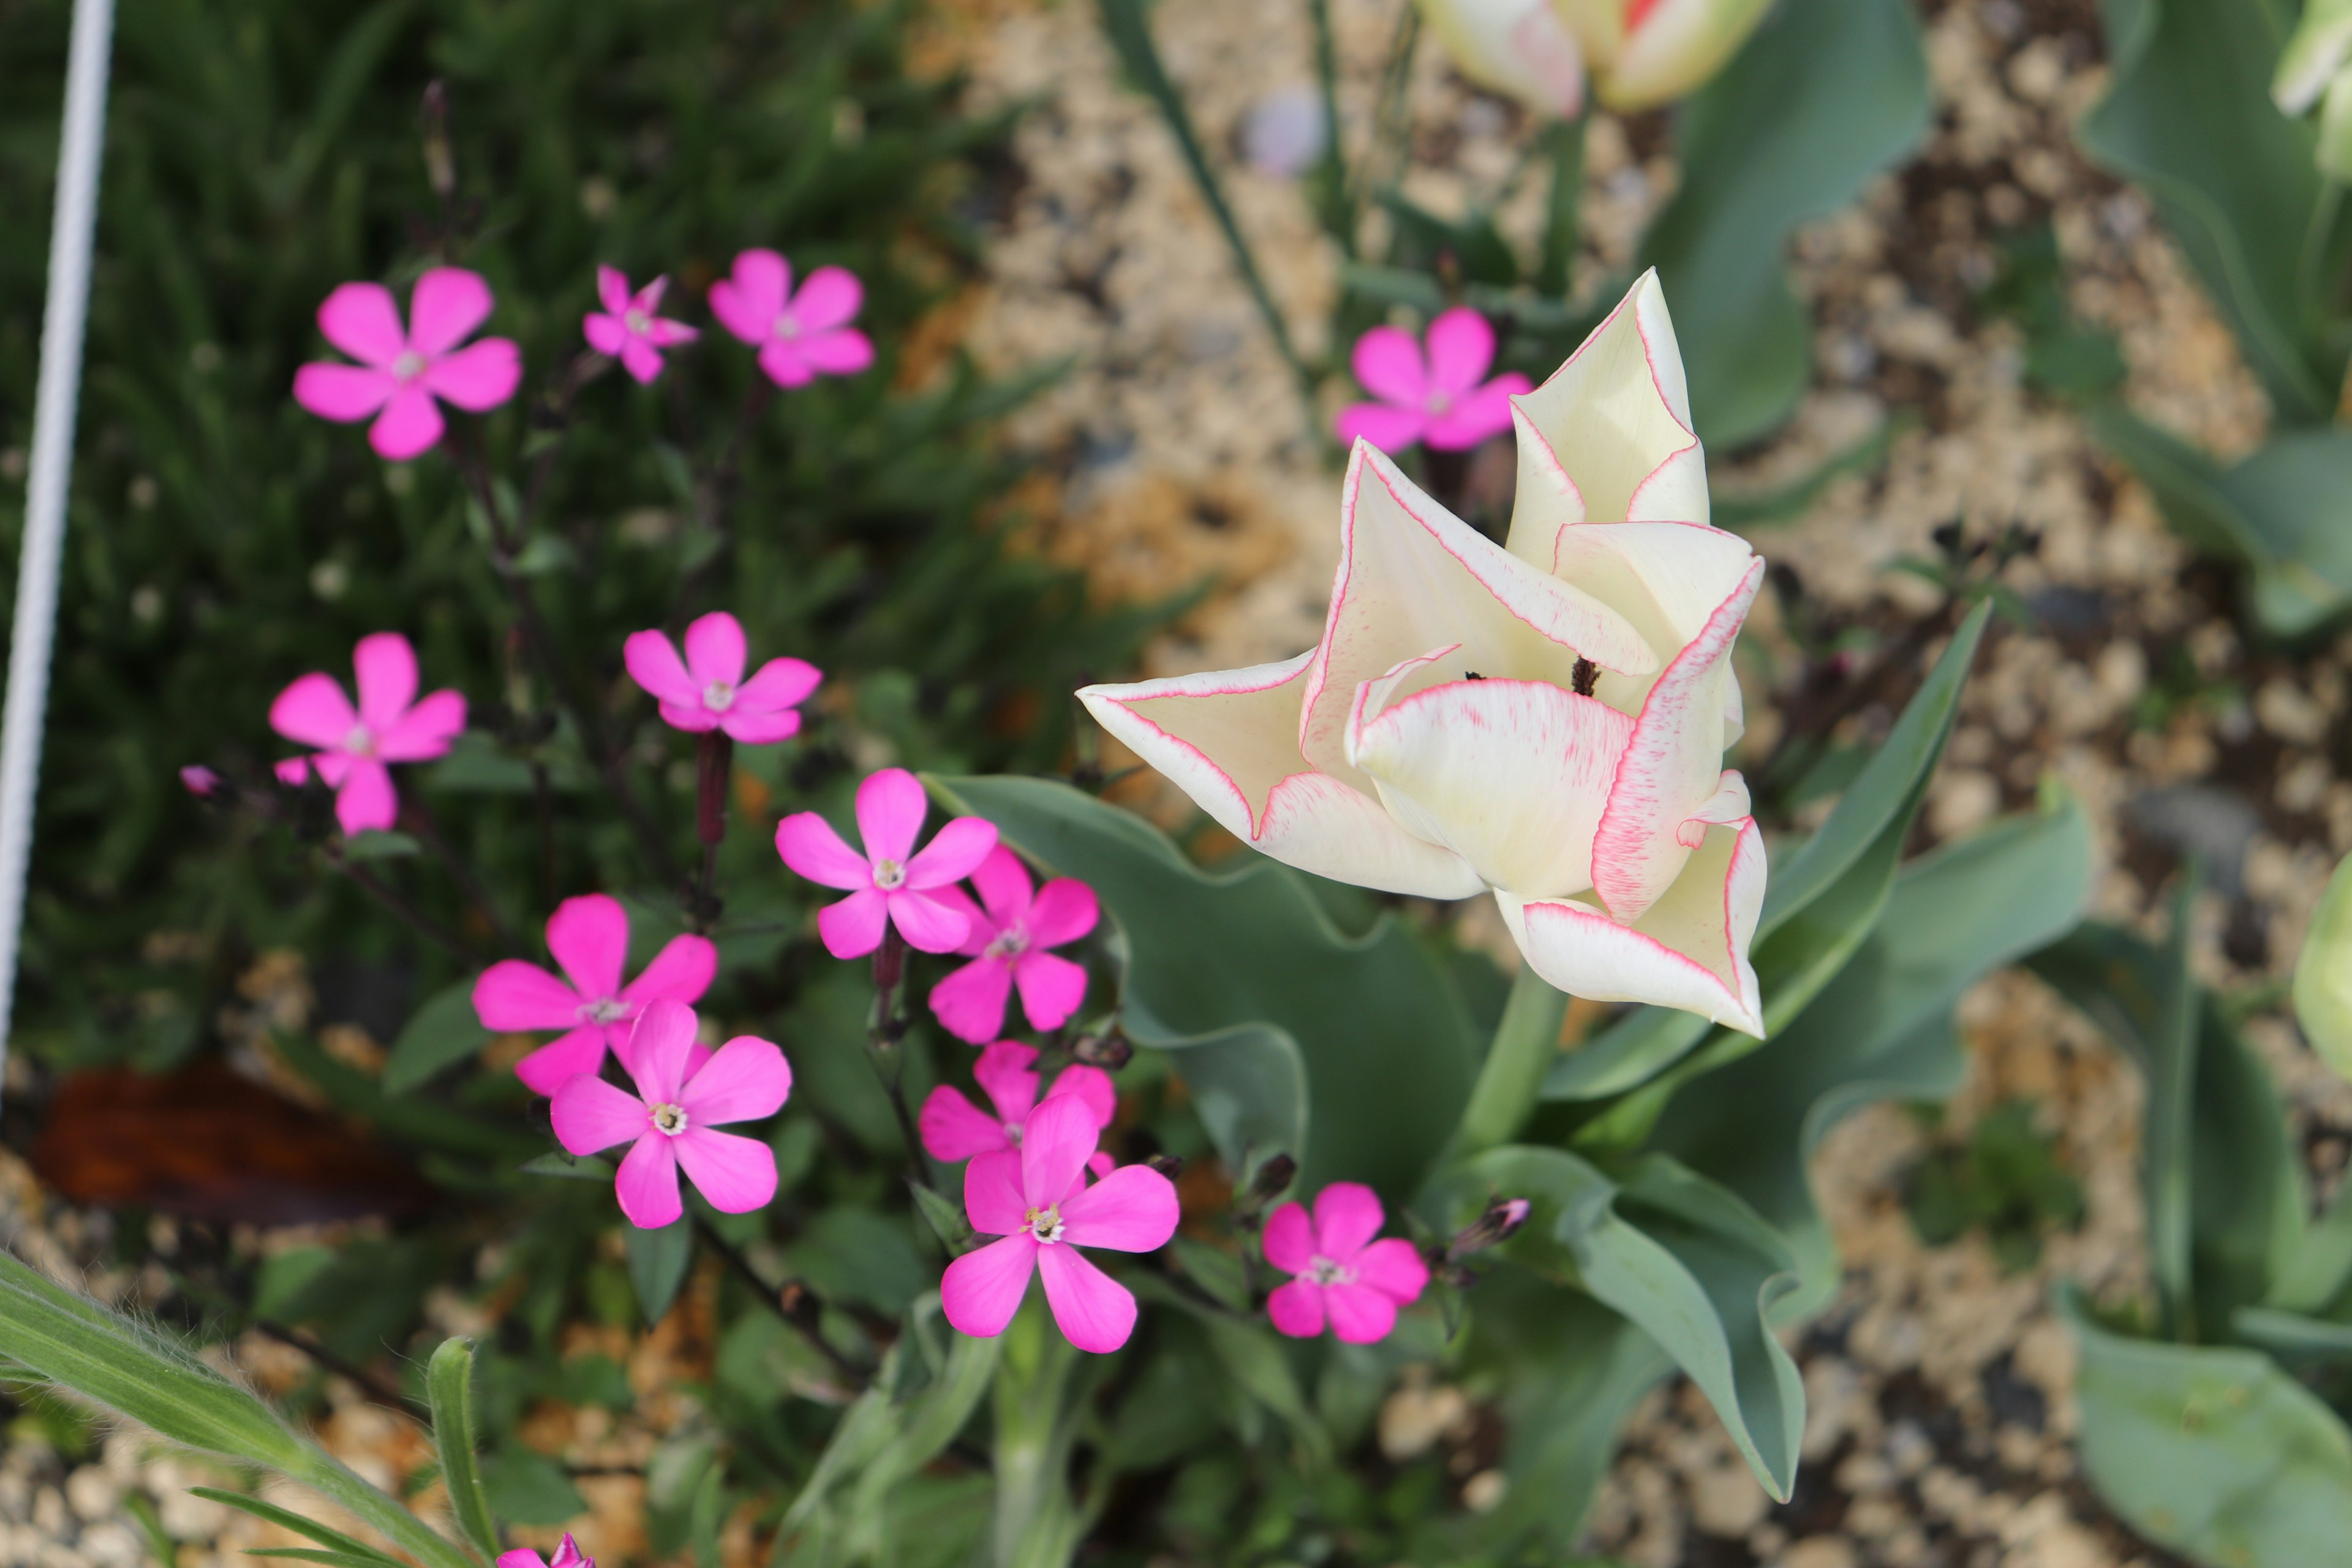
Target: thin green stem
1564,141
1526,1044
1332,190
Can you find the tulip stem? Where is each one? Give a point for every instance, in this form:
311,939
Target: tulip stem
1563,224
1526,1044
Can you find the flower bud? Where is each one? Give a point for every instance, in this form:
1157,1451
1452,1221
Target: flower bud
1638,53
1273,1179
1109,1050
1169,1165
1497,1224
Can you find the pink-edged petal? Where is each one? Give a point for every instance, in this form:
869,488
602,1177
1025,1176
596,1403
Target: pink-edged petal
1390,429
361,320
1054,1143
1065,910
1095,1313
831,295
760,728
1004,885
1388,362
613,290
1289,1240
1475,416
605,335
970,1003
714,649
1461,347
890,811
929,925
1005,1071
423,731
776,685
660,1047
954,852
1092,1085
737,1173
478,377
563,1059
1360,1315
844,352
386,667
652,661
1297,1308
589,1115
808,844
982,1290
409,425
647,1183
1394,1268
952,1127
512,994
365,801
448,303
853,928
1347,1216
681,971
588,936
1052,989
343,392
745,1079
782,362
992,1192
314,712
641,360
748,303
1133,1209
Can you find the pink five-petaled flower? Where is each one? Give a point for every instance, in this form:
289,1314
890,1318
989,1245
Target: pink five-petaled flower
627,329
401,373
1011,930
706,689
567,1555
1038,1199
588,936
954,1129
1438,399
674,1117
389,726
1344,1277
888,881
799,336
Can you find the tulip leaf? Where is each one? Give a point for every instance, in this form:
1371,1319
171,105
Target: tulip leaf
1825,94
2212,1452
444,1031
1244,979
2313,1279
2322,974
2291,1336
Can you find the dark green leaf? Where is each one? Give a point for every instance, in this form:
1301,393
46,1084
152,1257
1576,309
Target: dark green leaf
526,1487
658,1259
286,1519
444,1031
944,1216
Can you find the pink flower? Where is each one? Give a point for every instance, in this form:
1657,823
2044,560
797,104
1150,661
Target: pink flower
627,329
1439,399
199,780
954,1129
885,879
588,936
1038,1199
567,1555
706,689
354,747
400,373
1006,943
799,336
1343,1274
674,1117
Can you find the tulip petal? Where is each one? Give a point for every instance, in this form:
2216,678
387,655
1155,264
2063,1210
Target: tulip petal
1515,47
992,1192
314,712
1289,1240
1674,48
1094,1311
714,650
588,936
589,1115
1133,1209
745,1079
1052,989
737,1173
1297,1308
1666,578
647,1183
681,971
970,1003
1689,949
982,1290
512,994
952,1127
853,927
568,1056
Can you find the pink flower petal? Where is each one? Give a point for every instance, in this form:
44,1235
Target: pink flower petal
1002,883
365,802
1390,430
1297,1308
890,811
783,363
777,684
992,1192
613,290
929,925
1052,989
844,351
448,303
425,731
760,728
830,296
641,360
853,928
588,936
652,661
1065,911
952,1127
982,1290
1388,362
361,319
745,1081
563,1059
343,392
748,303
649,298
1054,1143
1133,1209
979,930
647,1183
1006,1071
1394,1268
478,377
970,1003
294,771
1461,347
669,335
386,666
1477,417
1360,1315
953,853
521,1557
808,844
682,971
1347,1216
1095,1313
589,1115
1289,1240
409,425
714,649
605,335
737,1173
660,1045
1090,1084
512,994
693,720
314,712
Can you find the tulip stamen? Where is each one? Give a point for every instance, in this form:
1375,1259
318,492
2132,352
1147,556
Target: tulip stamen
1472,675
1585,677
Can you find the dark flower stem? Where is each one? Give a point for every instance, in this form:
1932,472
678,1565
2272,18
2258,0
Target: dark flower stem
883,1042
415,919
421,820
714,763
796,1303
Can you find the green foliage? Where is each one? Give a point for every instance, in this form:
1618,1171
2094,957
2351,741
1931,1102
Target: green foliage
2322,974
449,1387
2004,1180
657,1264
